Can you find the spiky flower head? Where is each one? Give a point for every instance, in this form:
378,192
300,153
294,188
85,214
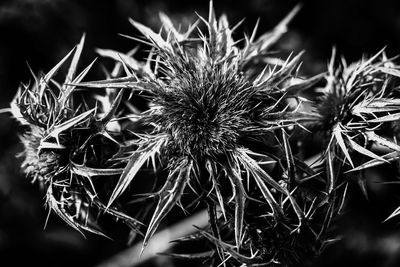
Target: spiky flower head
212,119
63,145
355,106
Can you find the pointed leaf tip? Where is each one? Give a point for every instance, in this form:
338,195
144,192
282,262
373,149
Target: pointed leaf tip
155,38
136,161
170,195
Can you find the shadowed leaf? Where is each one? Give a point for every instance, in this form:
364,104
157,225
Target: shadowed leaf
268,39
382,141
71,71
90,172
169,195
252,166
392,156
240,199
230,250
337,133
139,157
192,256
365,151
55,132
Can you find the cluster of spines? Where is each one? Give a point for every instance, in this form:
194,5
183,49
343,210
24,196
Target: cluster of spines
193,83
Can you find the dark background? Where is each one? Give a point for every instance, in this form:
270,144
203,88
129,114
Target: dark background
41,32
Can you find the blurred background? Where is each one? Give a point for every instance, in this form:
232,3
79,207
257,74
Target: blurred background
41,32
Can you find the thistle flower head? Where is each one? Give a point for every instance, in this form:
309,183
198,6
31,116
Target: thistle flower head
38,166
206,112
356,102
208,97
61,148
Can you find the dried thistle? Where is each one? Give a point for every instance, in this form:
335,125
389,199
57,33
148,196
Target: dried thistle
355,106
219,119
63,146
207,104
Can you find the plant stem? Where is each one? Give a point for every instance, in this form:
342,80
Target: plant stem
160,242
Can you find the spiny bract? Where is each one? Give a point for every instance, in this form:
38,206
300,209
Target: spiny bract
209,99
218,118
354,109
63,149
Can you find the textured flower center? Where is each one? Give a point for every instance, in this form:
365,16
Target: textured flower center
333,109
206,116
38,166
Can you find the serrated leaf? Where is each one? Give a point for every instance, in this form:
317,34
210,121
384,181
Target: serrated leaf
44,81
213,223
169,26
225,41
364,151
268,39
337,133
56,130
138,158
390,71
72,85
81,75
74,64
155,38
328,217
296,88
90,172
230,250
54,206
385,102
276,208
192,256
212,170
127,82
291,167
259,175
387,118
330,171
299,212
109,115
169,195
251,165
240,199
372,136
131,222
212,31
49,145
285,70
392,156
126,59
376,106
